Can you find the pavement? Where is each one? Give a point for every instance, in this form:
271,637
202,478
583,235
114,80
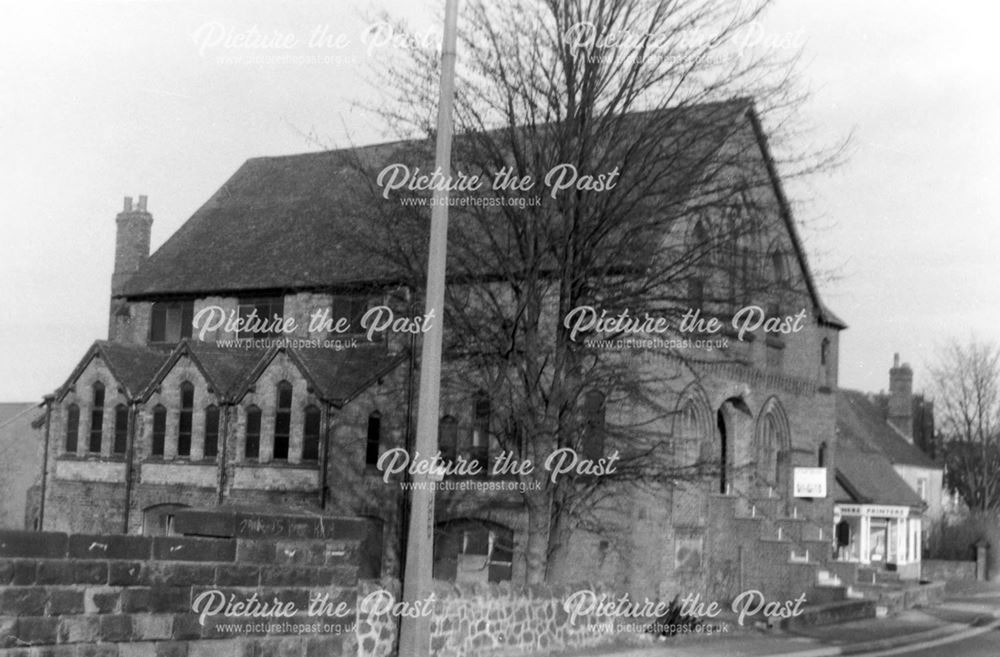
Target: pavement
969,608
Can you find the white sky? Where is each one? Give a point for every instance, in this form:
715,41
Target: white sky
99,100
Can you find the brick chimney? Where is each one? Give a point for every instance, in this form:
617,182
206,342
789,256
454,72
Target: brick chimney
901,397
131,250
131,242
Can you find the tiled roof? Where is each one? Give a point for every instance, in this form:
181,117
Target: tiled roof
284,223
336,376
869,478
861,420
132,366
865,472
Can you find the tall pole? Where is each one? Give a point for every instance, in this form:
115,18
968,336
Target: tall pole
415,633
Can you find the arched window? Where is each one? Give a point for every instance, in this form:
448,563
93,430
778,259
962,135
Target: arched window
767,450
692,431
700,245
310,433
96,418
282,421
481,412
374,442
821,456
72,427
184,420
159,429
594,422
772,445
779,267
121,429
824,351
211,446
251,443
448,438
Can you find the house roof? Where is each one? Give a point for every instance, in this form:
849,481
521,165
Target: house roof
860,419
869,478
282,223
335,376
865,472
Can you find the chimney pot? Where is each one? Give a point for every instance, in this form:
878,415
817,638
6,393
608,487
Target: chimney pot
895,360
142,203
128,204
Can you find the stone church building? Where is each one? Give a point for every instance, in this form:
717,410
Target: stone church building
182,407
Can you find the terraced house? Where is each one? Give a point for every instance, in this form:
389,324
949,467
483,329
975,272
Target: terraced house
175,411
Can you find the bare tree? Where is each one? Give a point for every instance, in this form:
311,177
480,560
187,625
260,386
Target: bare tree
967,404
653,96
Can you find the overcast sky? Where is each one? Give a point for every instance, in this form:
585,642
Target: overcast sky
99,100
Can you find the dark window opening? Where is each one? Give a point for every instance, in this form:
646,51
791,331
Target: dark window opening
310,434
72,427
159,430
251,445
96,419
171,321
350,309
283,421
374,443
448,438
184,420
211,448
121,429
594,425
259,315
481,412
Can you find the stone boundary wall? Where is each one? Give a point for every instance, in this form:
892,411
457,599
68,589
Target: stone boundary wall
482,620
943,570
132,596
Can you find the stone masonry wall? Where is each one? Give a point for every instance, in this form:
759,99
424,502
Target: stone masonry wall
111,595
490,620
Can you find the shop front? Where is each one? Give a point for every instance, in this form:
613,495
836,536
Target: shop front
878,535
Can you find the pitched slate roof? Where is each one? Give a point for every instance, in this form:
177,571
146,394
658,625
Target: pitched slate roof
869,478
132,366
336,376
862,420
224,369
865,473
279,223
